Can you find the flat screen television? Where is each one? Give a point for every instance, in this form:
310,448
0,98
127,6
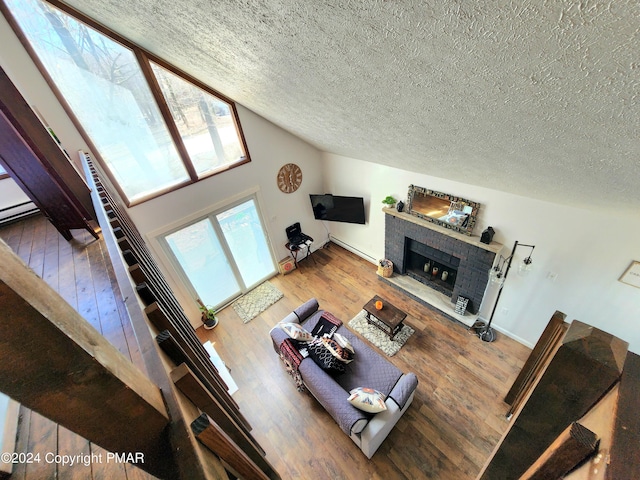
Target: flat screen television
334,208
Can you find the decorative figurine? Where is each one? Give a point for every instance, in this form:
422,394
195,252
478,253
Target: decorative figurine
487,235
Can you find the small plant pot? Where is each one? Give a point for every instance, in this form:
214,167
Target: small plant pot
210,324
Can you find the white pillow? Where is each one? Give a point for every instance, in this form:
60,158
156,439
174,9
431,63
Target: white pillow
295,331
343,342
339,347
367,400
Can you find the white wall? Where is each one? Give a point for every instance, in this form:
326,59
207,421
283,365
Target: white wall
588,249
11,195
269,146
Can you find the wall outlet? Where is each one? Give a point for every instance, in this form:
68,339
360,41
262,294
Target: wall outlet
553,276
504,311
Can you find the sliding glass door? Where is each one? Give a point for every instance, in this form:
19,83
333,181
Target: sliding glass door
223,255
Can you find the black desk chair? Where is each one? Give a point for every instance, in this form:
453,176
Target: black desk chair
298,241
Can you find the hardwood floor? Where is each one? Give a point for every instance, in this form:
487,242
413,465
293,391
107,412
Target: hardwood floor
80,271
450,429
448,432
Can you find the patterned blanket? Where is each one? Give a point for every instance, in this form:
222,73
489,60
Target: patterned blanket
291,357
327,324
290,348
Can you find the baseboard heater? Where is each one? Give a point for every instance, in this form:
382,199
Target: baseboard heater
18,215
353,250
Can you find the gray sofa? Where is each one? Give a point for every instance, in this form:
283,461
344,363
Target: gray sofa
370,369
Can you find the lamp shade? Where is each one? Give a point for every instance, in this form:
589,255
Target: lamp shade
525,267
496,276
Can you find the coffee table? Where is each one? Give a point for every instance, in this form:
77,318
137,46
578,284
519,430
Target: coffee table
389,319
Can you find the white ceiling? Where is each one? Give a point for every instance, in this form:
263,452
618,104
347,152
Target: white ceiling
536,98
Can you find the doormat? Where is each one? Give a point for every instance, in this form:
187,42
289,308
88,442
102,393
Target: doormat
253,303
379,338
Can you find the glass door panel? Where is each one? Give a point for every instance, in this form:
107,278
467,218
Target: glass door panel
243,232
203,260
224,255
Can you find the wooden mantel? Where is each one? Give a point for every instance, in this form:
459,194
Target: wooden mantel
474,240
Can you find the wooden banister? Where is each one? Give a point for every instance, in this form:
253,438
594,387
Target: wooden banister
54,362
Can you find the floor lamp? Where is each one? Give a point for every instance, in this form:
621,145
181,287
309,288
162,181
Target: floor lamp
498,274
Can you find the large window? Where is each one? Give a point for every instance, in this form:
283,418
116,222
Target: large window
153,129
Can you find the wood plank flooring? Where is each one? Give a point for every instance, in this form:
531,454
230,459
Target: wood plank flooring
450,429
448,432
81,272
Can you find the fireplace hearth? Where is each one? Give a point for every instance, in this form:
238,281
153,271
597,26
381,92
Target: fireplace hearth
417,248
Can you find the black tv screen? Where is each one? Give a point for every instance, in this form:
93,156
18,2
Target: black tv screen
334,208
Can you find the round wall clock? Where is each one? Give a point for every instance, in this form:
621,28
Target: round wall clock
289,178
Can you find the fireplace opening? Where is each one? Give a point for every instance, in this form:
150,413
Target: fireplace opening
430,266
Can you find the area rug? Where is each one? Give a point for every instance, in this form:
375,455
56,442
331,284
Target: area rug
253,303
378,337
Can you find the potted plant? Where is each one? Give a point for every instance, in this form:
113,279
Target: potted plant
389,201
208,317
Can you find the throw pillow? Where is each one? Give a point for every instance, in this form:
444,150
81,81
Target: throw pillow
324,358
339,347
367,400
295,331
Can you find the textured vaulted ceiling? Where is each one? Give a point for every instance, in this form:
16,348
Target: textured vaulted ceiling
537,98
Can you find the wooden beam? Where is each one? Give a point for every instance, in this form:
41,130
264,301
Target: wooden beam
538,357
9,435
600,420
212,437
574,445
625,449
586,366
55,363
214,384
195,391
201,365
537,362
191,460
46,152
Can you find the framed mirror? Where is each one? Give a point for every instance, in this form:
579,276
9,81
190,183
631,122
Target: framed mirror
450,211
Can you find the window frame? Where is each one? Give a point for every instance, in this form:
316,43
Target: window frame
144,59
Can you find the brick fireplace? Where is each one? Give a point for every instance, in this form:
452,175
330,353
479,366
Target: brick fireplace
416,247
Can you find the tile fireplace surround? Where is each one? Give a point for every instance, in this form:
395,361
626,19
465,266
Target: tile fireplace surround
475,258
